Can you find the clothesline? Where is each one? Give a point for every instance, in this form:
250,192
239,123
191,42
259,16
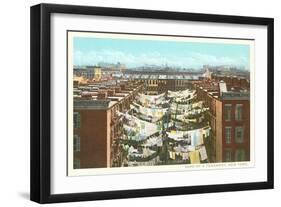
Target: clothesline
195,156
144,123
148,100
184,93
142,128
196,135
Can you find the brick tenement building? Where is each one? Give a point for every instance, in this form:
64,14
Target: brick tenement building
161,83
233,81
96,128
229,116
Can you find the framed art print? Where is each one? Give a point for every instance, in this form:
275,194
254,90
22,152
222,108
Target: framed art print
132,103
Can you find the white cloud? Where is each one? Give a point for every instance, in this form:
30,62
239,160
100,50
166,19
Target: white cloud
186,59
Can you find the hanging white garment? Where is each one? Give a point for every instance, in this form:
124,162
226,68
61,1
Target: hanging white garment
203,153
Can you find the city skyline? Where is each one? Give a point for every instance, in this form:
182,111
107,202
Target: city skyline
138,53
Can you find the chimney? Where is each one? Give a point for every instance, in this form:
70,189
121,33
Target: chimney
86,94
75,84
111,92
102,94
222,86
122,86
102,87
117,89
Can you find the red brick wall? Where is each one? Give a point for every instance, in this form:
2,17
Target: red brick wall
93,138
233,123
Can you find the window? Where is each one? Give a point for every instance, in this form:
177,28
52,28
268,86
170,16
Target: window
76,120
227,155
239,135
240,155
228,135
76,163
76,143
227,112
238,112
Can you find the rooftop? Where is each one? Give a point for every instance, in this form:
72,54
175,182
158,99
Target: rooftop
93,104
162,77
223,91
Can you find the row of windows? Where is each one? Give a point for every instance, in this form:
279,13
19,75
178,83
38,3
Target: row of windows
76,143
76,163
238,112
238,135
181,82
239,155
155,82
76,120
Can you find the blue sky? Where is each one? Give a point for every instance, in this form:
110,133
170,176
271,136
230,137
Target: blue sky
134,53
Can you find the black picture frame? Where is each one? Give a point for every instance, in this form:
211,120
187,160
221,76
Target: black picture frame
41,99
